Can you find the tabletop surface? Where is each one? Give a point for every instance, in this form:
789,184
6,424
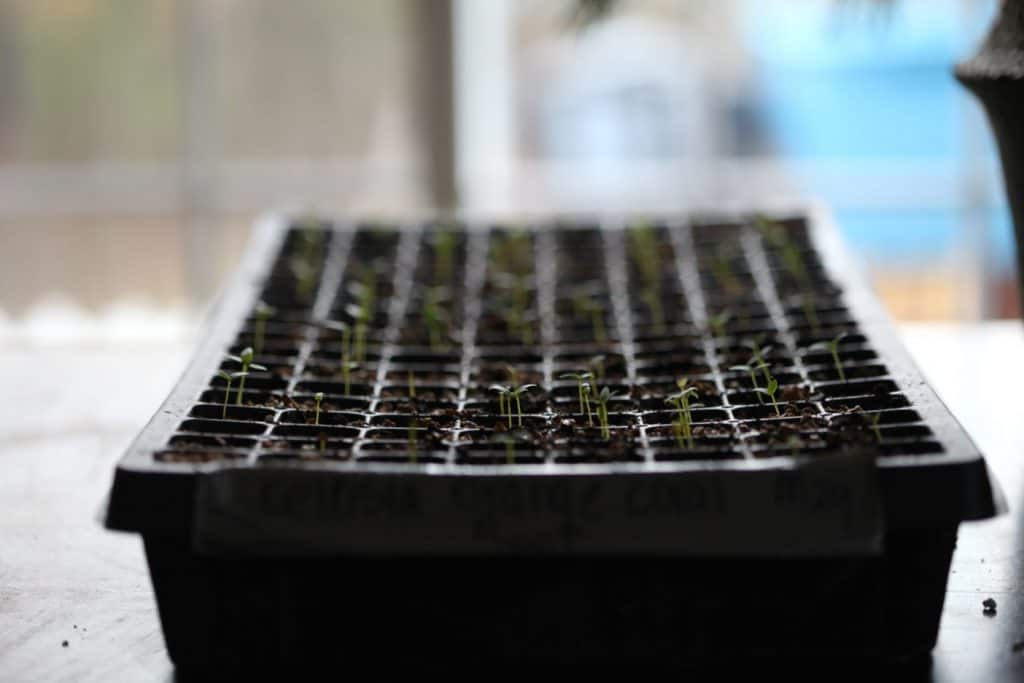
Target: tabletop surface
76,601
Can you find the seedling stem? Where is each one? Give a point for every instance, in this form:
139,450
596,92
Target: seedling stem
318,397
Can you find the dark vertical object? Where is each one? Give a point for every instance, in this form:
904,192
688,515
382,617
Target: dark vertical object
996,76
434,83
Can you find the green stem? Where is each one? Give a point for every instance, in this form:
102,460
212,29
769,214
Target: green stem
597,322
227,393
687,420
241,385
360,342
261,324
519,410
838,364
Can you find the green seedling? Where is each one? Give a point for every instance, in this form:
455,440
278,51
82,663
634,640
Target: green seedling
770,391
362,326
445,241
412,440
644,250
583,389
876,418
789,252
305,274
510,440
651,297
751,368
363,314
346,340
513,305
721,270
434,316
683,427
587,391
515,394
504,405
793,263
585,307
512,252
598,366
228,377
412,386
245,358
346,375
521,298
718,322
832,346
602,399
263,312
774,233
808,304
759,352
318,397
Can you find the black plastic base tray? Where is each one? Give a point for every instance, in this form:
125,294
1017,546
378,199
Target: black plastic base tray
230,616
325,514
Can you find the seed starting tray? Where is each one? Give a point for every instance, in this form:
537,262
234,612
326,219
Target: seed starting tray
581,291
416,401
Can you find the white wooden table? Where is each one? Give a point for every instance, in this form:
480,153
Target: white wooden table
68,409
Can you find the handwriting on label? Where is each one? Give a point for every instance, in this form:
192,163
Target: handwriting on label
804,509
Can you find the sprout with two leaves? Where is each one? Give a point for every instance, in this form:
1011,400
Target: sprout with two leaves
506,396
718,322
683,427
770,391
752,367
602,399
759,352
583,389
228,377
832,346
263,311
586,307
245,358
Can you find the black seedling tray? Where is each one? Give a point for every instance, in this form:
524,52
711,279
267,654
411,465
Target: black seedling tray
279,533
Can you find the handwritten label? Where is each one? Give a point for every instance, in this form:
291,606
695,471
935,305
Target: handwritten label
826,507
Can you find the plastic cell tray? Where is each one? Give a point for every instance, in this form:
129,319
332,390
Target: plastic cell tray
415,488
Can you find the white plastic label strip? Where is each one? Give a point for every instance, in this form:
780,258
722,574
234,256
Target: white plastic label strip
826,507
